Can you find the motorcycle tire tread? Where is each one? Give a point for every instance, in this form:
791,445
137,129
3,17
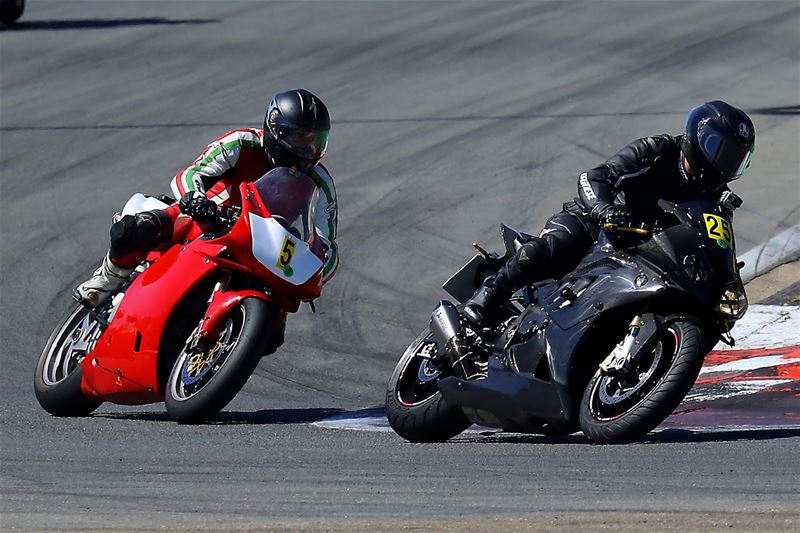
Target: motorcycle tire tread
430,421
65,398
659,403
233,375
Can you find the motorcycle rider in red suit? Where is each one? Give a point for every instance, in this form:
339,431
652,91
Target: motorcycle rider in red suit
295,134
715,148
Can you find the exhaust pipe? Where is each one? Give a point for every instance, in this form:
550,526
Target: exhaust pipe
445,322
446,327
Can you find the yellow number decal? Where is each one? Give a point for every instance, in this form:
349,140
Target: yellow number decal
287,251
718,229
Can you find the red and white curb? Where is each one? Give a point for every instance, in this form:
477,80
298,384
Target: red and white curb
753,385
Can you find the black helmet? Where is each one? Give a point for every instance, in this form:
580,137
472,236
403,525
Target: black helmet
718,141
296,129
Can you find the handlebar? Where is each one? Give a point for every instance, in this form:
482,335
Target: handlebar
229,214
627,229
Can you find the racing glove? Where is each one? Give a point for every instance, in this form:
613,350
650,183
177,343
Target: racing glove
196,205
616,217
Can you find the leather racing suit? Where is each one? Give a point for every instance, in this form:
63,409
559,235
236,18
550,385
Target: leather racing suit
632,180
234,158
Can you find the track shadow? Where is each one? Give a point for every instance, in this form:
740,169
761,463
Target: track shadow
99,24
275,416
264,416
781,110
663,436
685,435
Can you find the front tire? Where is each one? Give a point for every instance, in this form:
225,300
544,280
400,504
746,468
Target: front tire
414,406
612,413
201,384
57,380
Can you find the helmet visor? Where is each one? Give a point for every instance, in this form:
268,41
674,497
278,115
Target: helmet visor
728,156
305,143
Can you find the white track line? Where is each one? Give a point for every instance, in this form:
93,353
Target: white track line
782,248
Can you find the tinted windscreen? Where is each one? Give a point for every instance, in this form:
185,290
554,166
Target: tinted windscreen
290,198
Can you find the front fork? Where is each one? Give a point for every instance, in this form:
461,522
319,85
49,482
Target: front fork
619,362
220,304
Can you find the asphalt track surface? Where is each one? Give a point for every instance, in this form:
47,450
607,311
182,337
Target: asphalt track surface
448,118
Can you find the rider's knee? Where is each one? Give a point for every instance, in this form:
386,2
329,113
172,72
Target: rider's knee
529,261
140,232
154,227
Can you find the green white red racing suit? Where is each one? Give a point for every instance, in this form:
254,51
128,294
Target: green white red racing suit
238,157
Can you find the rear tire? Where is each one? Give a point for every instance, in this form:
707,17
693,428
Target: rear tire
414,406
195,391
662,391
57,380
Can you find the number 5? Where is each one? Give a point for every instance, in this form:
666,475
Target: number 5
287,251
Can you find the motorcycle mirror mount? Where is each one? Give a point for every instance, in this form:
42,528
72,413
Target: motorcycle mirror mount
481,250
730,201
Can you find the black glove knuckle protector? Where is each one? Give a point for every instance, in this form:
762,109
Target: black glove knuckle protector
197,206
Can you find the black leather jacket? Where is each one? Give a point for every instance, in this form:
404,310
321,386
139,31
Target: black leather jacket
635,178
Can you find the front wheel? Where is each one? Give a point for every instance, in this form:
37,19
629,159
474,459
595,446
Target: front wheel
202,383
57,381
414,406
615,410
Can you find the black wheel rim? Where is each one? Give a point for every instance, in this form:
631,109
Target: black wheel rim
418,379
612,398
196,370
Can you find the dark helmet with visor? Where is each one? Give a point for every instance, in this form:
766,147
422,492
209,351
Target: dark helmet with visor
296,129
718,142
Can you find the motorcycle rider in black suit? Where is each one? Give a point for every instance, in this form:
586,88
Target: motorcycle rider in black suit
714,149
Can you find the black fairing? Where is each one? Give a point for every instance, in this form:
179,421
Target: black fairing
539,356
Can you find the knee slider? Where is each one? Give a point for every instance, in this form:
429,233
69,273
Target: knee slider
528,260
123,232
153,227
139,232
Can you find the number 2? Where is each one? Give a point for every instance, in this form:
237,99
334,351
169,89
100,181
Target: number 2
712,229
717,227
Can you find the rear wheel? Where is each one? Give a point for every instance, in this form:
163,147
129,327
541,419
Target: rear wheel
414,406
616,410
57,381
202,383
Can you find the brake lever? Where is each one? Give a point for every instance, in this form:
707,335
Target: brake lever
228,215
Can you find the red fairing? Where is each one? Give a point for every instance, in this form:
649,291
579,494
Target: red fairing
123,367
222,303
126,364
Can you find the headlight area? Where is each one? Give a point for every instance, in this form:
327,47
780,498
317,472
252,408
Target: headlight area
733,303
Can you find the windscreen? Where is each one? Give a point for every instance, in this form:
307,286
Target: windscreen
290,197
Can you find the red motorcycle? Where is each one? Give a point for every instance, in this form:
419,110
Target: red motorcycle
194,320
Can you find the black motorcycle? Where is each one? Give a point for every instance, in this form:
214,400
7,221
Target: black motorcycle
610,349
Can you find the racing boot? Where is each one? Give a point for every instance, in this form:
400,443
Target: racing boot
105,281
481,307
